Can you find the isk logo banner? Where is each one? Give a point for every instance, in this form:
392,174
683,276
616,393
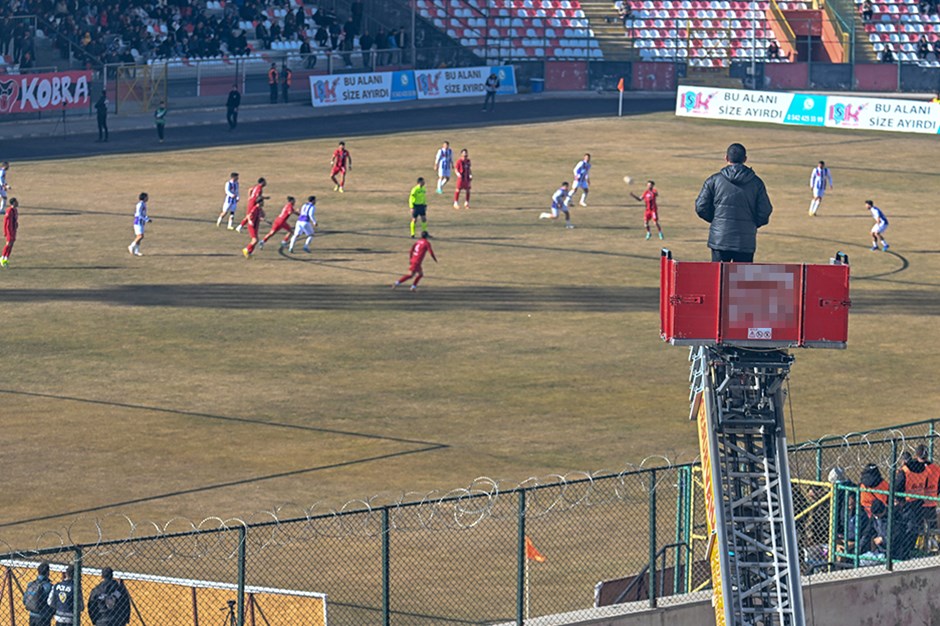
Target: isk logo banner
845,114
325,90
428,84
7,95
696,101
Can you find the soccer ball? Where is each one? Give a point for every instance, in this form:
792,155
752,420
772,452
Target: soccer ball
628,180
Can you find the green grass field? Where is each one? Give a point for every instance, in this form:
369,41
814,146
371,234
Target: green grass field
191,382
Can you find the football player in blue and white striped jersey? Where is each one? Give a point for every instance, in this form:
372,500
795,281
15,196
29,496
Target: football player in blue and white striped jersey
140,220
230,204
306,221
443,164
582,179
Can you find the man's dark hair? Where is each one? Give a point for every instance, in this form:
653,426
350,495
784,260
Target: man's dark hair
736,153
425,235
311,198
107,573
421,180
920,451
43,568
869,203
70,571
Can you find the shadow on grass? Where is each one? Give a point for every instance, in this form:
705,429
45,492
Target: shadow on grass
358,297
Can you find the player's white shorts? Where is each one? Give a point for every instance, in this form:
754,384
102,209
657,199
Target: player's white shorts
879,228
819,192
305,228
443,170
138,229
582,183
230,205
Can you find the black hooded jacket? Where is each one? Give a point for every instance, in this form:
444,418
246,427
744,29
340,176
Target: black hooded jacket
735,202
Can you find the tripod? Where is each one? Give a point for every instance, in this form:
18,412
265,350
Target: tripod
230,618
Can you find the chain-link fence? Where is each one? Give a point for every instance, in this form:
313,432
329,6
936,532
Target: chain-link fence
483,555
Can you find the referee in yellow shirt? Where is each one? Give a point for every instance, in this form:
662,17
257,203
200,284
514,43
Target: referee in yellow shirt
418,203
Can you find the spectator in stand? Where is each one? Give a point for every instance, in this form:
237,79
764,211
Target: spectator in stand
335,31
6,32
101,108
936,48
306,52
923,47
773,50
263,35
366,42
867,11
381,44
887,55
322,36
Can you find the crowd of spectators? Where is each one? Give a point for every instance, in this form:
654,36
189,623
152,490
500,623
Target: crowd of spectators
100,32
861,523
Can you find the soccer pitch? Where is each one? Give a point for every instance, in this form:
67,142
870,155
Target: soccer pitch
191,383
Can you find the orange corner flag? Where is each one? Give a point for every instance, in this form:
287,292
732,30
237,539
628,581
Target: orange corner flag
532,553
620,85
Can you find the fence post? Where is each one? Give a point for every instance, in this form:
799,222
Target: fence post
931,433
680,523
76,587
818,462
894,464
386,586
520,560
652,534
242,540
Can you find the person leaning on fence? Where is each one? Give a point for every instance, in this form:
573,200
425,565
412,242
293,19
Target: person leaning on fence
735,203
101,108
36,597
62,598
491,86
109,604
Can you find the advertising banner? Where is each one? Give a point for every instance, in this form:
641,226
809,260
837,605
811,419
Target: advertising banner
464,81
54,91
889,114
362,88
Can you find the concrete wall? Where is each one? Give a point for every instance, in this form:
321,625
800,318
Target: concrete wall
867,597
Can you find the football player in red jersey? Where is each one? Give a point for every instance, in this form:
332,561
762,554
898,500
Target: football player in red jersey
254,217
652,211
341,162
464,177
280,223
419,249
254,196
11,223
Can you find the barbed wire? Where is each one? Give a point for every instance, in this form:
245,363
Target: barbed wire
461,509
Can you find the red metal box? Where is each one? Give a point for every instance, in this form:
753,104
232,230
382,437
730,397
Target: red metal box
826,306
754,305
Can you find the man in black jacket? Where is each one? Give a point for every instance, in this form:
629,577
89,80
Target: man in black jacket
109,604
735,202
231,106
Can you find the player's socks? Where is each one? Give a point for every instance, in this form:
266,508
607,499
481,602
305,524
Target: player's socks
396,284
545,216
218,222
885,245
238,228
661,235
648,234
130,248
412,229
307,244
424,227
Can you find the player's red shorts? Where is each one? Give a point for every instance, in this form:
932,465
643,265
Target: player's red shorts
415,268
337,170
281,225
650,216
9,233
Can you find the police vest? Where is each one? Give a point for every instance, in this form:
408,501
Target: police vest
62,598
867,497
915,484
